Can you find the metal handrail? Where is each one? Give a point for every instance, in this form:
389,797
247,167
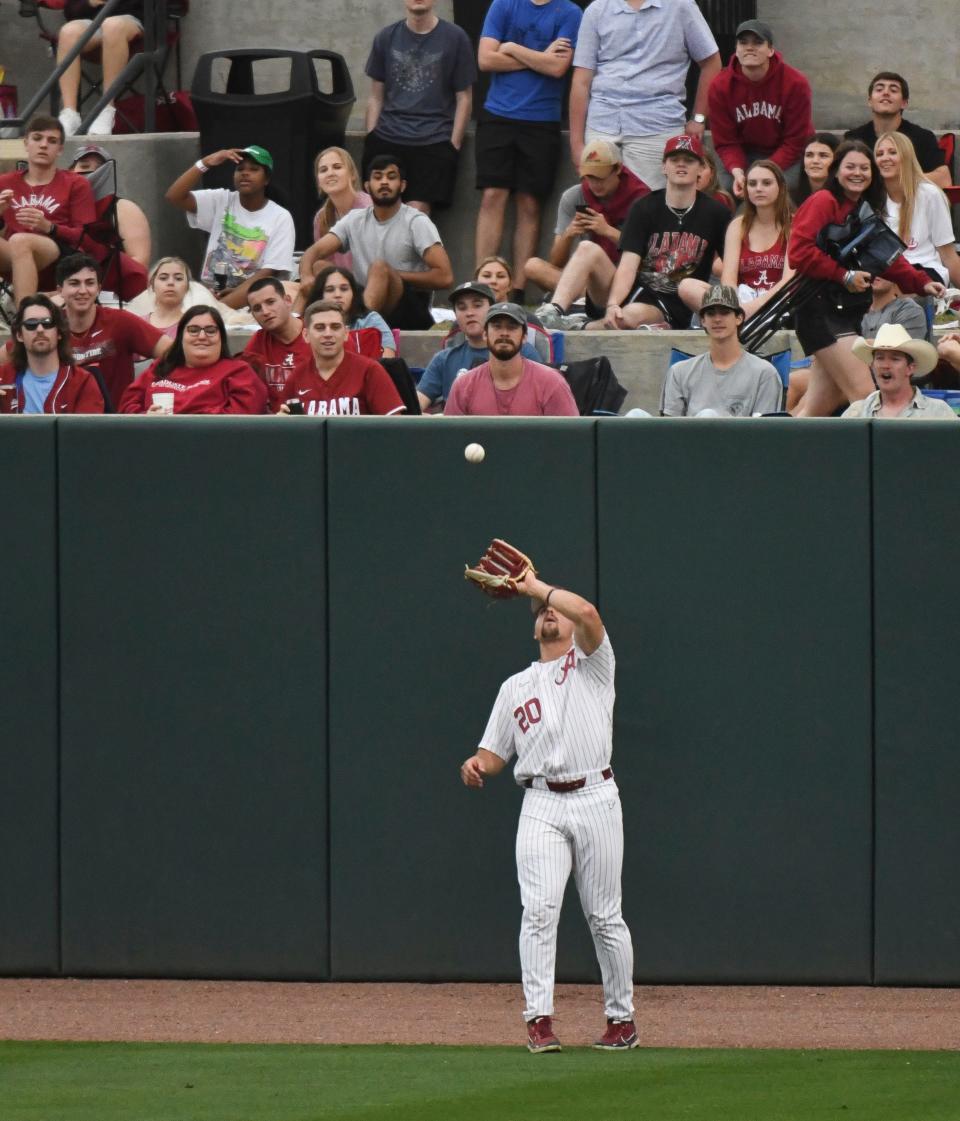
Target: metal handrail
148,62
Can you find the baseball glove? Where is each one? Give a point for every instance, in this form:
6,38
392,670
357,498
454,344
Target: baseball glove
500,570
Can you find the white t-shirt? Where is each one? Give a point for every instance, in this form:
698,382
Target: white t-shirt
930,226
242,241
401,241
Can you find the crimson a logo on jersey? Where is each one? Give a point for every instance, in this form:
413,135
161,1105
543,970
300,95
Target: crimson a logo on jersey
569,663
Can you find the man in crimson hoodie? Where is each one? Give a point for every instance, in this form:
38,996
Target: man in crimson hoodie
42,378
760,108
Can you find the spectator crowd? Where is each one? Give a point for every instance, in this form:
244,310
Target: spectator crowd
660,232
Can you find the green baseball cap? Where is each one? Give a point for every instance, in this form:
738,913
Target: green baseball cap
259,155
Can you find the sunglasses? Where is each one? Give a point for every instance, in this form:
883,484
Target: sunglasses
210,330
33,324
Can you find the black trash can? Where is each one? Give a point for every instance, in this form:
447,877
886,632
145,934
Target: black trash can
274,98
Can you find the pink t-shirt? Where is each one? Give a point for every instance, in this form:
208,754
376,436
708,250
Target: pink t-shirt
541,391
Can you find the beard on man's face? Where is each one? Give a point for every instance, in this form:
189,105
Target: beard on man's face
504,349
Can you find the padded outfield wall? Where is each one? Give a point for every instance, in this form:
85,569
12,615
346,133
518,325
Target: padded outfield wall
243,668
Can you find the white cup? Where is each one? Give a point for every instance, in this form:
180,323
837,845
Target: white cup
165,401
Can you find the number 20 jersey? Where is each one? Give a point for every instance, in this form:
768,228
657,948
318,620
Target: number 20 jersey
557,717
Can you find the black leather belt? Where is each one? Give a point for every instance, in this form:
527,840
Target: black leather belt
573,784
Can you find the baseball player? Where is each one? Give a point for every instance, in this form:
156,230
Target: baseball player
556,716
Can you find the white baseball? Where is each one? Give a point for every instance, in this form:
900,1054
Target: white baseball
474,453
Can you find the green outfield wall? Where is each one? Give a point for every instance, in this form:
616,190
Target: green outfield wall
241,669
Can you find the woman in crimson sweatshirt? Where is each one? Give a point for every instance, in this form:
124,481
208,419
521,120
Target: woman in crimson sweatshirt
828,323
198,373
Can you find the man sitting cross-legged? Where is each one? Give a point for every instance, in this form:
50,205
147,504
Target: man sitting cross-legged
592,212
397,253
670,235
44,210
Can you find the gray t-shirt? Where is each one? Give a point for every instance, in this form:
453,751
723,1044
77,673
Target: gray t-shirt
421,75
401,241
908,313
751,385
571,198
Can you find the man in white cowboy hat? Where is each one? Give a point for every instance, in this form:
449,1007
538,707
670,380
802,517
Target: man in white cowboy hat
894,357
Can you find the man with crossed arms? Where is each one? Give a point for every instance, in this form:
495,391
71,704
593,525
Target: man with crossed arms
556,716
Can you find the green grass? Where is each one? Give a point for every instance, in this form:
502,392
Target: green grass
178,1082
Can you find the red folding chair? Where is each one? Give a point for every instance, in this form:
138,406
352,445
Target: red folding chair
90,81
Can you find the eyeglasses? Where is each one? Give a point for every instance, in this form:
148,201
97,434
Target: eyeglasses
32,324
209,330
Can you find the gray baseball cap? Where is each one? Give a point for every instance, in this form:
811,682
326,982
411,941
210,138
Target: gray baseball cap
472,288
756,27
511,311
721,295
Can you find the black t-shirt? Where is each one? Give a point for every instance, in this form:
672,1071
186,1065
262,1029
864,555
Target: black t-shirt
674,248
929,153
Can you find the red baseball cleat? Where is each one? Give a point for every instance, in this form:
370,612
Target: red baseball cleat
540,1037
621,1035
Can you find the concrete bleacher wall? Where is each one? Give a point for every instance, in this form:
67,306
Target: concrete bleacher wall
838,46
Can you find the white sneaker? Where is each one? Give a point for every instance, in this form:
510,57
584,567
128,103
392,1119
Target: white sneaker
102,124
70,119
550,316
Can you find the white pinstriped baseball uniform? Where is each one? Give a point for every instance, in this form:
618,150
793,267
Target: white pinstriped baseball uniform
557,717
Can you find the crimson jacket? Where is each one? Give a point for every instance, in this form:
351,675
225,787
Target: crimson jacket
773,116
228,386
74,391
822,209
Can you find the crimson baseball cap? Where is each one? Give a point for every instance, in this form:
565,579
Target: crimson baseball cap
259,155
685,145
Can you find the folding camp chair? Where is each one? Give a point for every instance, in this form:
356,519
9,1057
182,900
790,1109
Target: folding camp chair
45,12
121,273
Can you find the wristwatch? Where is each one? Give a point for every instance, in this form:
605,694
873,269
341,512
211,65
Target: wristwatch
699,119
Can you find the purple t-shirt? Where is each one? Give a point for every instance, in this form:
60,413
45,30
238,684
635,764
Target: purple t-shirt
541,391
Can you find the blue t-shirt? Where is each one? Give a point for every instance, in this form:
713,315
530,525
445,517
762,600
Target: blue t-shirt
445,366
526,95
36,390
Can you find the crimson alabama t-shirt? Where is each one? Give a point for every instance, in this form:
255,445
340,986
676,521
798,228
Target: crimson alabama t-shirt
358,386
275,360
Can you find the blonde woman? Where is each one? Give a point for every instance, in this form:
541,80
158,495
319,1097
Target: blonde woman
917,209
338,184
170,291
497,274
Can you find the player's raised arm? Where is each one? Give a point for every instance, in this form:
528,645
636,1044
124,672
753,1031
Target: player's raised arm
475,769
587,624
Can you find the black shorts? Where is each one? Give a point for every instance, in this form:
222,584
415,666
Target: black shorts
412,310
675,311
829,315
429,169
517,155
